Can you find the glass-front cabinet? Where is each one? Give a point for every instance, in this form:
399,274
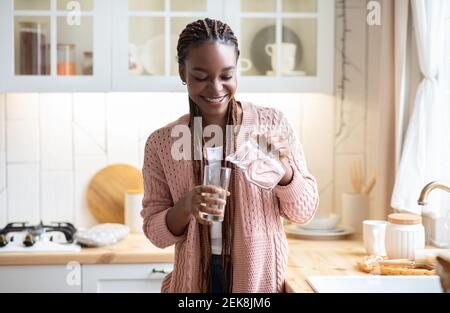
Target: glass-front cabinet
130,45
147,32
286,45
55,45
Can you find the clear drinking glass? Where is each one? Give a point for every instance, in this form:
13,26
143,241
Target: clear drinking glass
220,177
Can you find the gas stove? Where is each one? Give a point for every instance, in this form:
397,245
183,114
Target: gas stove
22,237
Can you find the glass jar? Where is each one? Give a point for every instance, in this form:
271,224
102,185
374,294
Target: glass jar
404,235
66,60
87,63
33,49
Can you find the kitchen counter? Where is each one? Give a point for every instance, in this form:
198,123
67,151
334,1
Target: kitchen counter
135,248
305,257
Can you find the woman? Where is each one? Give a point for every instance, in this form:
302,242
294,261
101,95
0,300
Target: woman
248,251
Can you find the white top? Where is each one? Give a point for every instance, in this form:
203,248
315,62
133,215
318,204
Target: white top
214,156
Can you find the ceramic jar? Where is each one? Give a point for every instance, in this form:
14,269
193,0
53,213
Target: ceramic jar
133,207
404,234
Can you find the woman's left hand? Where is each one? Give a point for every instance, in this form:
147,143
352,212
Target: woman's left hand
279,145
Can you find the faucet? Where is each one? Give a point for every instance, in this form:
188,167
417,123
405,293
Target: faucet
428,188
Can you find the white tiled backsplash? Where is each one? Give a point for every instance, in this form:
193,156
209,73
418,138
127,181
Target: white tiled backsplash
52,144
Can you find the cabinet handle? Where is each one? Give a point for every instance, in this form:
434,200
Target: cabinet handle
161,271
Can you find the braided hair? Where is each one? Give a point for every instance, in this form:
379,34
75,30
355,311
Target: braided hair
196,33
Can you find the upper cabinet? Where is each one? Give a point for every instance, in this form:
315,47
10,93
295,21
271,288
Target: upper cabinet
55,45
130,45
145,43
286,45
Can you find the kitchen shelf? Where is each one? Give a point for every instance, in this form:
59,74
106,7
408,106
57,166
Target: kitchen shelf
52,51
138,51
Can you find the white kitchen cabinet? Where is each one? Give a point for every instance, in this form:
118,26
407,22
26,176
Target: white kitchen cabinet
39,278
124,277
302,29
90,278
55,45
286,45
146,35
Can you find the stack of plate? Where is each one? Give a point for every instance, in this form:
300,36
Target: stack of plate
320,228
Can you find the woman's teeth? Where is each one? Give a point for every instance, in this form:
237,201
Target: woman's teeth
215,100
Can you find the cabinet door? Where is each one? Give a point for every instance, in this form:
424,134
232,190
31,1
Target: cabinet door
40,278
124,277
286,45
55,45
145,41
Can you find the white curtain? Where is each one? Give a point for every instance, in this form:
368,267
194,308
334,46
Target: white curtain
425,156
401,74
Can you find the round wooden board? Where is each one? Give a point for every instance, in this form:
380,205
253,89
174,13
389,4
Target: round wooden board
106,191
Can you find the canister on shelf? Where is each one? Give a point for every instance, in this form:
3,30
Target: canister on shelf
87,63
33,53
66,59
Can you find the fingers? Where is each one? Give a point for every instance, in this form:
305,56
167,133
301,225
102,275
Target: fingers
212,201
210,210
201,210
197,214
283,153
210,204
209,189
204,201
277,144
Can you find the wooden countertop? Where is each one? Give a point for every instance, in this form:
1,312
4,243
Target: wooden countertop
326,258
136,248
306,257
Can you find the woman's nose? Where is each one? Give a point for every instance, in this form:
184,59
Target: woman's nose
216,85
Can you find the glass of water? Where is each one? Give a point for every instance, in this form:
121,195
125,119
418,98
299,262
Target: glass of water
219,177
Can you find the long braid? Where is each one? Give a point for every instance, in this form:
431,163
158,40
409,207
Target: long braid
227,232
196,33
198,165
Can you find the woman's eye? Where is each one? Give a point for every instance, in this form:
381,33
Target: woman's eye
200,79
227,77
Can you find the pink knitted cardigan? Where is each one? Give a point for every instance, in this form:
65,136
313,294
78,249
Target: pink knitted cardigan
260,247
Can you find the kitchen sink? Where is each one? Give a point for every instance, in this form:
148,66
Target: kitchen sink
375,284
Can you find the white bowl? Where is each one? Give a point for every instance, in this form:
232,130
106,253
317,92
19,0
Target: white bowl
323,222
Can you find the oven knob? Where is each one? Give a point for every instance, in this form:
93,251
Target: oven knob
29,241
3,240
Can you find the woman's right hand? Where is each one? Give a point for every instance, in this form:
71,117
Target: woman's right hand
200,199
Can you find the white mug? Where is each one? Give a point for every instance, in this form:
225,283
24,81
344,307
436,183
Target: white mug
245,64
288,53
374,237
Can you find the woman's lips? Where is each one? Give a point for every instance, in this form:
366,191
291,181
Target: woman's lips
215,100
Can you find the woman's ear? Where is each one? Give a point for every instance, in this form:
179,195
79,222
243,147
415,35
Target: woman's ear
182,72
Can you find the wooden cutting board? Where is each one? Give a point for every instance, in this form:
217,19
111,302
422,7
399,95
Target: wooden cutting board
106,191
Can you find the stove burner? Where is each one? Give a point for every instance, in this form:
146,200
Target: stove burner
34,233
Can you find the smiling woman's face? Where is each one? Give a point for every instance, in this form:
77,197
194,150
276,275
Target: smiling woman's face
210,74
